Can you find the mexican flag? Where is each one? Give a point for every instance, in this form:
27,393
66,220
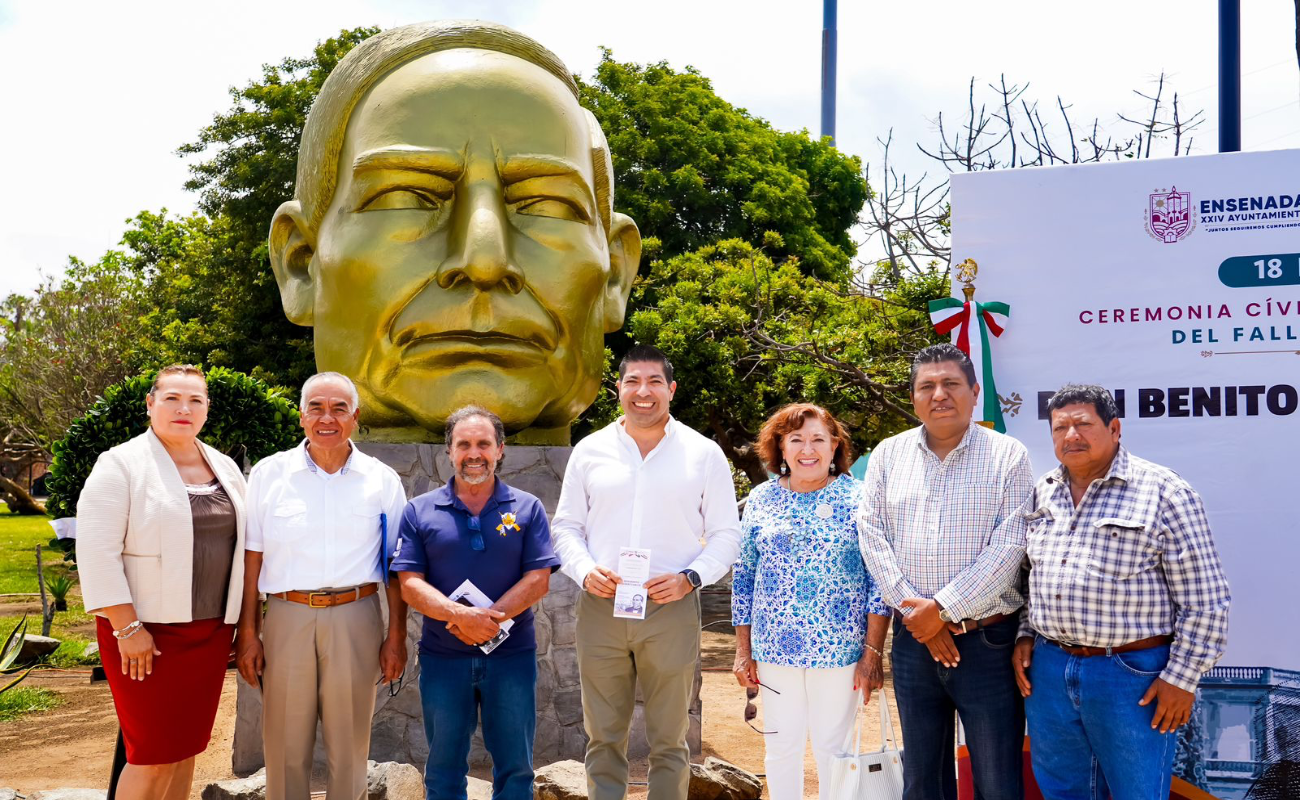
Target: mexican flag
971,324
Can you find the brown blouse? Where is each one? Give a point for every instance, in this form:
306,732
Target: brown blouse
214,548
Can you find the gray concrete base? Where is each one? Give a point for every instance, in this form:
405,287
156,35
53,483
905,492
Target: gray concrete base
398,732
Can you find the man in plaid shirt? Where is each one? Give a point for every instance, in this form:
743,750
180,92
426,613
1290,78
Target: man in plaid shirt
942,529
1127,608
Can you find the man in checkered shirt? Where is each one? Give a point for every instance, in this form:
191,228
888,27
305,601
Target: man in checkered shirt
942,530
1127,608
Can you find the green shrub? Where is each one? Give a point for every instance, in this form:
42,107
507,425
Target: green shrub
247,420
58,587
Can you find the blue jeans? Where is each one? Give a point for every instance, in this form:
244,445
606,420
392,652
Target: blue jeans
982,690
1088,735
454,691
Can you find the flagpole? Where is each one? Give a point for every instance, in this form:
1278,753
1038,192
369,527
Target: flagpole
1229,76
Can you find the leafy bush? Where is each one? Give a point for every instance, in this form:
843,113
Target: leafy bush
58,587
247,420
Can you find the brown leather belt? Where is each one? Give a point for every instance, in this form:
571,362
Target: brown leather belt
969,625
328,599
1140,644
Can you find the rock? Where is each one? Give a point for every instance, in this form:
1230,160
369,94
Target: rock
35,646
8,794
568,706
68,794
479,789
392,780
92,649
251,788
563,780
716,779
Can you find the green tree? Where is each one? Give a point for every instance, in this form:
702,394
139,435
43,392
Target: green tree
693,170
708,182
747,334
216,300
62,347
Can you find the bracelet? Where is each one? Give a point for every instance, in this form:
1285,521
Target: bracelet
128,631
879,654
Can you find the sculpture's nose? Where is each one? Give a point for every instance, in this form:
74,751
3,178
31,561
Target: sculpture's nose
482,258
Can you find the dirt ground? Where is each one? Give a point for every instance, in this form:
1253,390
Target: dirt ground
72,745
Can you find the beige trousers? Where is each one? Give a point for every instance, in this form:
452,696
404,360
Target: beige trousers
321,663
660,652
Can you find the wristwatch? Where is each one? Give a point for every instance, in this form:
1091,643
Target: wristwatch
693,577
945,616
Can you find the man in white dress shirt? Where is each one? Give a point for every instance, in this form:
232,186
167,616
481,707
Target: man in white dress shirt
318,518
644,482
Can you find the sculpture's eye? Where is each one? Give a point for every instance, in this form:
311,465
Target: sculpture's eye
549,207
402,200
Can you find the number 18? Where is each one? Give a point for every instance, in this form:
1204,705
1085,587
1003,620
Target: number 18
1269,269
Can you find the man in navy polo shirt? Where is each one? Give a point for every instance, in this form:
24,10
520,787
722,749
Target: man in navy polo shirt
476,529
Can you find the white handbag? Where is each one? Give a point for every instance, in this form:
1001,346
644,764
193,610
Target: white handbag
878,775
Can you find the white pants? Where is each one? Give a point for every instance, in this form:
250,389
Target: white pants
813,703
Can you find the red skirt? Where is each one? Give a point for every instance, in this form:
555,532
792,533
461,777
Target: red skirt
168,716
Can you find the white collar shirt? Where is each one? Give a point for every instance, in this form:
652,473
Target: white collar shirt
678,501
318,530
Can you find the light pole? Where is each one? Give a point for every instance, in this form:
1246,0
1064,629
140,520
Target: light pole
828,69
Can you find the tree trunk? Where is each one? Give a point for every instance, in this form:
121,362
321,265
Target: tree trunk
741,454
23,500
47,613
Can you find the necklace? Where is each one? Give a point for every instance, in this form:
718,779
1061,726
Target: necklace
789,484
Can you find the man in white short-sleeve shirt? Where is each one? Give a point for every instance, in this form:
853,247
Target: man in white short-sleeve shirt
322,524
644,482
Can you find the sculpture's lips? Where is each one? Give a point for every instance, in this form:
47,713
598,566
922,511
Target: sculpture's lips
462,346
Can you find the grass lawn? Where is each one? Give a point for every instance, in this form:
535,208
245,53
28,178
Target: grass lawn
22,700
19,536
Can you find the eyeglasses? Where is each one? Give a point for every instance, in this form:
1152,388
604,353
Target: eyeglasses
476,535
394,686
751,710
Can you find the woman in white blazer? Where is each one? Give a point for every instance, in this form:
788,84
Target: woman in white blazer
160,550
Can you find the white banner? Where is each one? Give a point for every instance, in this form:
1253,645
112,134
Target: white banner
1175,283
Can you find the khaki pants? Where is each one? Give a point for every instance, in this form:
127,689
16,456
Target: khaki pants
320,663
661,652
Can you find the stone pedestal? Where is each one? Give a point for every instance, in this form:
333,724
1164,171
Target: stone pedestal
398,732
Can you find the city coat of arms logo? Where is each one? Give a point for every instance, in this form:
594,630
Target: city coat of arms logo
1170,215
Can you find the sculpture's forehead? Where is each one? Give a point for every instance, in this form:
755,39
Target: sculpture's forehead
451,98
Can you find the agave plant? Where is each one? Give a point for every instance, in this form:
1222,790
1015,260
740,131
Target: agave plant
9,654
59,586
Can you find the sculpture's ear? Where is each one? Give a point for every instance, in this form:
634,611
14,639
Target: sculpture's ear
624,260
292,246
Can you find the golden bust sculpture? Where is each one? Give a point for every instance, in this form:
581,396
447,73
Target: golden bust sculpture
452,237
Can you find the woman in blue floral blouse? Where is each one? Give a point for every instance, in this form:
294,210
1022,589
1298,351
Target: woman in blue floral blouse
810,624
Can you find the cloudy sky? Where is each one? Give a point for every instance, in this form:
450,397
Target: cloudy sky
98,96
